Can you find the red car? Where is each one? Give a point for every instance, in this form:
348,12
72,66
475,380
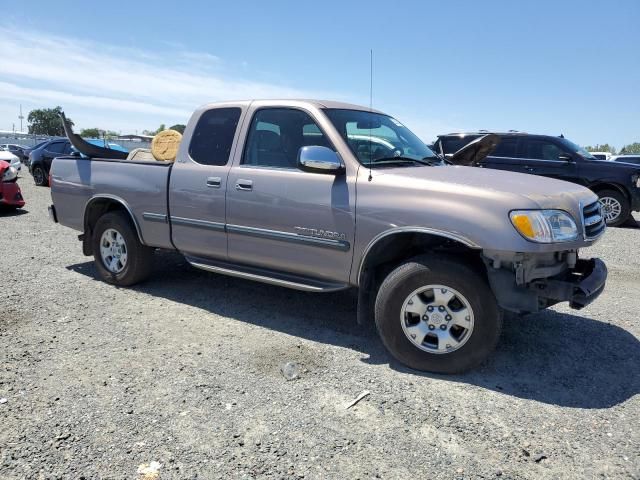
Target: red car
10,194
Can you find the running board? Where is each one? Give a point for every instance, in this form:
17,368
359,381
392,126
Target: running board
266,276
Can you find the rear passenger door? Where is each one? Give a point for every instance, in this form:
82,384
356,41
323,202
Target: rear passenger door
505,156
198,185
542,156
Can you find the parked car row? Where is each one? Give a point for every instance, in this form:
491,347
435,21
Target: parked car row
635,159
615,181
17,150
617,184
42,155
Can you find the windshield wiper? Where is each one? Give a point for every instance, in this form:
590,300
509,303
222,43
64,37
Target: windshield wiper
398,160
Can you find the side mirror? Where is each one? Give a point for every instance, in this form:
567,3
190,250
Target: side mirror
565,157
317,159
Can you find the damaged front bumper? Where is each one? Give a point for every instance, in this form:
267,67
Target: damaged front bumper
579,284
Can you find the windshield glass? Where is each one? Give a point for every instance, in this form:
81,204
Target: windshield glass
376,139
577,149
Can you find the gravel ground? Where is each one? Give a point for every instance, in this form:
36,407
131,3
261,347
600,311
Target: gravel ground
185,370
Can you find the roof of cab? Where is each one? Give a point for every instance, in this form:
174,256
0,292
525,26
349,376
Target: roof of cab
293,102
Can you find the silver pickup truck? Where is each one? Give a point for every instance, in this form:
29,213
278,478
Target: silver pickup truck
324,196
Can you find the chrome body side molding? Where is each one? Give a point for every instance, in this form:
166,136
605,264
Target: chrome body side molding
154,217
336,244
192,222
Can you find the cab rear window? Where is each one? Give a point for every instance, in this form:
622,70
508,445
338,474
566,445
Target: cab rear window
213,136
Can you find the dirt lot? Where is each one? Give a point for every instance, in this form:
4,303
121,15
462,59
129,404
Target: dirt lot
184,370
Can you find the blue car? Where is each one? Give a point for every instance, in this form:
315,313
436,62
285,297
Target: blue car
40,158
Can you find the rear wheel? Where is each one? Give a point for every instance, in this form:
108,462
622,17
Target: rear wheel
119,256
40,177
438,315
615,207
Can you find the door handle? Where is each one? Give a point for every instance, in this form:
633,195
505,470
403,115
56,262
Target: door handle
214,182
244,184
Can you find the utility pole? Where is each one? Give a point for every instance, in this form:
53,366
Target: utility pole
20,117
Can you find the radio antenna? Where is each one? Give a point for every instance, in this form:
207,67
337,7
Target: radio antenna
370,108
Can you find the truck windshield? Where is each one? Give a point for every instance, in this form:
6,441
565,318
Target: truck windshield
378,140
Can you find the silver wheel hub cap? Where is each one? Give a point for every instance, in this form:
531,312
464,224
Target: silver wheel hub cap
113,250
611,208
437,319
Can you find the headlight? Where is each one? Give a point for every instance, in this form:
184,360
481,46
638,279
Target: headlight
636,180
10,174
544,226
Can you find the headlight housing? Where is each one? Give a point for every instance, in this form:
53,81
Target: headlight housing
544,226
10,174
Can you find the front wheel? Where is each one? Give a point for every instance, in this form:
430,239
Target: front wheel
615,207
119,255
40,177
438,315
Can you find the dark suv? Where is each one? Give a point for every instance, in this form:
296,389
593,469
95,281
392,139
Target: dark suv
40,159
617,184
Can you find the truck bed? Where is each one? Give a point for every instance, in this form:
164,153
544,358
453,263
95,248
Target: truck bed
140,186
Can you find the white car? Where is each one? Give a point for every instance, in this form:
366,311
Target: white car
601,155
12,159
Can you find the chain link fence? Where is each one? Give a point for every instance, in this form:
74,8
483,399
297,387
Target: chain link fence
31,140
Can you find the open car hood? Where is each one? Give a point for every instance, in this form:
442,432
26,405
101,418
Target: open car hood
476,150
88,149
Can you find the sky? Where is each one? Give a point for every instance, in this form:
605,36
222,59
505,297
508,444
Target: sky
550,67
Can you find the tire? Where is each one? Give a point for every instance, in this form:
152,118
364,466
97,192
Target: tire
613,199
481,316
131,263
40,177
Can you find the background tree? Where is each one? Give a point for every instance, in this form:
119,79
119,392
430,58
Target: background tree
91,132
631,148
602,148
45,121
178,127
160,128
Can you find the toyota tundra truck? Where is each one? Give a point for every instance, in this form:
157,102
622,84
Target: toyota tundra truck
324,196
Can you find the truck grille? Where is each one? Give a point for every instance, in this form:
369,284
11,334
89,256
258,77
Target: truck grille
593,220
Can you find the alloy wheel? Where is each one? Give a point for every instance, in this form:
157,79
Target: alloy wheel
437,319
113,250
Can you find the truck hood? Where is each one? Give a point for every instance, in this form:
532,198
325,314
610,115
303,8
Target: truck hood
467,203
519,189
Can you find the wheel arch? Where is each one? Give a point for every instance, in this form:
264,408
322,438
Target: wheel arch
393,246
96,207
600,186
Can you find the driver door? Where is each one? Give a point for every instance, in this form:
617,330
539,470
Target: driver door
541,156
280,217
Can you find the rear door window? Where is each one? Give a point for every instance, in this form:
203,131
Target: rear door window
213,136
508,147
56,147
